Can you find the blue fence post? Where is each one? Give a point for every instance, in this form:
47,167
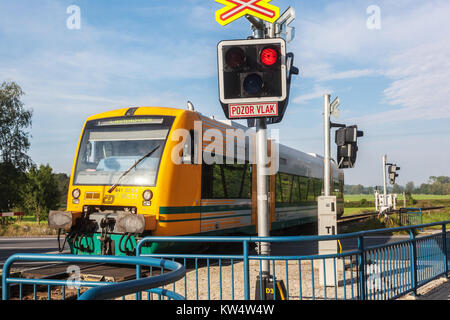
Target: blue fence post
413,259
246,271
138,271
421,218
5,285
444,248
362,269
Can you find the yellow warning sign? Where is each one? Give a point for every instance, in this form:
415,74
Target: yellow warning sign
235,9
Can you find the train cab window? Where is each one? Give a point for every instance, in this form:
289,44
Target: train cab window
110,147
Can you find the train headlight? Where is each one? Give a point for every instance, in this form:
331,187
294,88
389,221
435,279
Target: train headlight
76,193
147,195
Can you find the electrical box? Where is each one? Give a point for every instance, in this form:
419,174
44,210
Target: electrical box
327,225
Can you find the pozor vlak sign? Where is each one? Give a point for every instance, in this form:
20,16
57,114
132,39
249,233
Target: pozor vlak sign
252,77
255,110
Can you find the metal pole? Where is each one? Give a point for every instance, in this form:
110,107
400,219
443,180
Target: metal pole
259,31
327,157
384,176
261,185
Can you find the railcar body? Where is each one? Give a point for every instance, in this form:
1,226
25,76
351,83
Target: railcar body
153,171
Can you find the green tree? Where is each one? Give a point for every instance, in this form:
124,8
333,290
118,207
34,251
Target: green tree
15,121
409,188
11,184
396,188
41,192
62,180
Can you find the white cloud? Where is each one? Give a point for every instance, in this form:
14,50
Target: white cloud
411,51
317,92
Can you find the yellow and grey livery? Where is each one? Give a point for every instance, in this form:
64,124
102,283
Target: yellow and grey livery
151,171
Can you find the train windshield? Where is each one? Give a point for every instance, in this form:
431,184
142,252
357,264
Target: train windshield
109,147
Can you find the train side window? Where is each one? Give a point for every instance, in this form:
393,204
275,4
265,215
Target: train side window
303,183
212,182
283,190
207,181
237,178
295,194
318,188
310,190
226,181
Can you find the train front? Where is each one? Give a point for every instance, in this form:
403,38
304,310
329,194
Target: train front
112,184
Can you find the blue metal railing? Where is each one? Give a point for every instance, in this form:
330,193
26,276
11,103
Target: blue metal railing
365,272
410,216
99,290
384,272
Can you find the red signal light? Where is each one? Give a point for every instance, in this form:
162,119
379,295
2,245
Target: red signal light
235,58
269,56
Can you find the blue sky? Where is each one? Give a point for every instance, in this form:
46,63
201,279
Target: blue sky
393,81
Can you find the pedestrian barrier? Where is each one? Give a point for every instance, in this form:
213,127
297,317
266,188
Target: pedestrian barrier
410,216
98,290
379,272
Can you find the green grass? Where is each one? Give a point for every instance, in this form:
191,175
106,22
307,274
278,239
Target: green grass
26,229
351,211
436,216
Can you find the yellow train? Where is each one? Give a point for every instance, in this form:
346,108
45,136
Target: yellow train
151,171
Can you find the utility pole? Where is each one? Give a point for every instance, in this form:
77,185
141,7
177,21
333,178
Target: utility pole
327,204
259,32
384,176
254,82
327,151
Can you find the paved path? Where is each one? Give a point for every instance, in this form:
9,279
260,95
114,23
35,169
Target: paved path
438,289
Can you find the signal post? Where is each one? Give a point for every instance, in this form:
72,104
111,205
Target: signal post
346,140
327,204
386,202
254,84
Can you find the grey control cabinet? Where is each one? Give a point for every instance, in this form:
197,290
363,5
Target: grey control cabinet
327,225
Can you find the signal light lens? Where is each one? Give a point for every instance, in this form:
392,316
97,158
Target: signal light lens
235,58
253,84
269,56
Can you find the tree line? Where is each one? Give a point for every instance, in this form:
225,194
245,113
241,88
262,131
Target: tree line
24,186
435,186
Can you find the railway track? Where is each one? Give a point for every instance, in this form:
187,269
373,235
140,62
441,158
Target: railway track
367,215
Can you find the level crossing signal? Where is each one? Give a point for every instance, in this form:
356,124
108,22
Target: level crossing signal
253,78
393,173
347,146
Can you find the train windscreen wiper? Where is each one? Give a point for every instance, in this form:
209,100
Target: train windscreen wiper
114,186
